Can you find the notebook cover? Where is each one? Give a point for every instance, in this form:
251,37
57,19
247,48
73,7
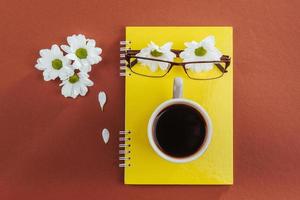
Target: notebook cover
144,94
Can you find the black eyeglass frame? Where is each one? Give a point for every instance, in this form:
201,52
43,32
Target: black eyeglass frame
132,54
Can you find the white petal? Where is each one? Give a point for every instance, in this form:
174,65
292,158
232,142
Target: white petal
167,46
39,66
215,53
202,67
46,74
153,66
45,52
144,51
65,73
152,45
83,90
105,135
76,64
66,90
84,62
210,40
66,48
102,99
75,90
170,56
71,56
183,55
83,75
53,74
91,43
44,62
164,66
94,59
66,61
98,50
192,44
72,41
87,82
81,40
85,68
55,50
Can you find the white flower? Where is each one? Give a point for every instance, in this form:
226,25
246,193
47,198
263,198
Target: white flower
54,64
76,85
83,51
161,53
201,51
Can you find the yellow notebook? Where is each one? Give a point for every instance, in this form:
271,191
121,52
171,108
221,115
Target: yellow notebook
144,94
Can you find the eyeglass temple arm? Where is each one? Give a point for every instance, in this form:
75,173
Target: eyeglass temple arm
226,59
130,64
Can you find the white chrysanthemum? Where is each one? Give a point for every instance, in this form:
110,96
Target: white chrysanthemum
83,51
54,64
201,51
76,85
154,51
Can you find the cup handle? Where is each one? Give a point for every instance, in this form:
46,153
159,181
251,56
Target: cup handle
177,87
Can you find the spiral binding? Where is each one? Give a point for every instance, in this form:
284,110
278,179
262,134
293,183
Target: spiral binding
124,148
124,46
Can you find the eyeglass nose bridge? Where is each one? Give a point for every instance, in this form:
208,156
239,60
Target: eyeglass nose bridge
172,64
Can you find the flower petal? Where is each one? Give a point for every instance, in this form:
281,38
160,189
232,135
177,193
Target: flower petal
167,46
98,50
192,44
210,41
71,56
105,135
46,74
76,64
81,40
94,59
102,99
55,50
83,90
72,41
39,67
66,48
85,68
164,66
87,82
65,73
153,66
75,90
152,46
45,52
66,90
91,43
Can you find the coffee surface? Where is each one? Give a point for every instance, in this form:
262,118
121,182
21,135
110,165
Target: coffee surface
180,130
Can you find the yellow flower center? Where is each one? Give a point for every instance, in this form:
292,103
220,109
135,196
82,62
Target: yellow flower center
73,79
81,53
57,64
156,53
200,51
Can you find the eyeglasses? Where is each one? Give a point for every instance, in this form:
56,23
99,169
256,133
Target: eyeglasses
217,70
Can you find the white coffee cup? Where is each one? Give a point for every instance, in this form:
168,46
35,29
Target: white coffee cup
178,99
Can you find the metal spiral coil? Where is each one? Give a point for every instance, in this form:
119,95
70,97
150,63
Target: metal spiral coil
124,148
124,46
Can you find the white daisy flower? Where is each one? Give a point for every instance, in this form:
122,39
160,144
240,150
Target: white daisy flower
154,51
76,85
54,64
201,51
83,51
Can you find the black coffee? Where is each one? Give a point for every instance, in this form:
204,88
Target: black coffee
179,130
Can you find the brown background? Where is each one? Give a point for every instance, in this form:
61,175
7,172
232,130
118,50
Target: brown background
50,147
